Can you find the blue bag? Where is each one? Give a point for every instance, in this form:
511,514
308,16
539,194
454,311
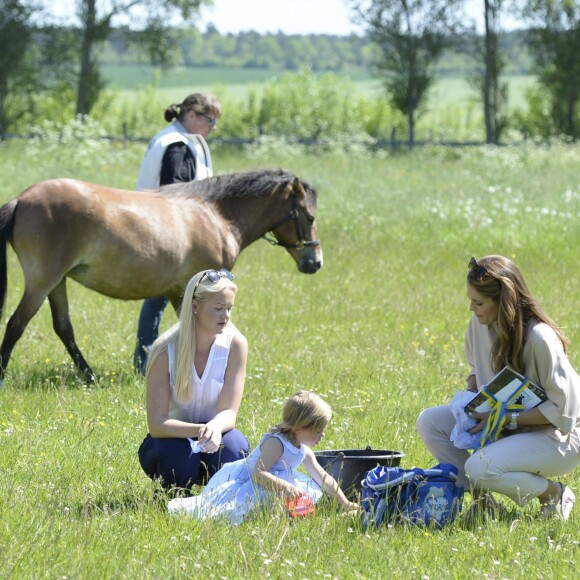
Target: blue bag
424,497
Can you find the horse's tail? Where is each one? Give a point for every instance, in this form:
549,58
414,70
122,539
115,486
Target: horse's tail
6,223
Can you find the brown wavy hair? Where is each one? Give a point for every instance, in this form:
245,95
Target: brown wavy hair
498,278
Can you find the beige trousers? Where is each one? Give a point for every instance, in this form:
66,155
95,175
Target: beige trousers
517,466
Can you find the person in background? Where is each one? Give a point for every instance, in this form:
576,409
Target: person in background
177,154
195,382
509,328
271,470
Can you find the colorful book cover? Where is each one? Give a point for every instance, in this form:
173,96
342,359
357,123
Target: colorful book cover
503,386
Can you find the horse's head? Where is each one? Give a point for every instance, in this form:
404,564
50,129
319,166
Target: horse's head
297,230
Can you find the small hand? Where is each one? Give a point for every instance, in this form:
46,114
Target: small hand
292,493
351,508
482,421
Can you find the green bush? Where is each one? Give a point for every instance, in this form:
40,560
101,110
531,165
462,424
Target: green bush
299,106
541,117
291,106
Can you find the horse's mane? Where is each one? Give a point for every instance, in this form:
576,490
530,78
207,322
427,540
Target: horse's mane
234,185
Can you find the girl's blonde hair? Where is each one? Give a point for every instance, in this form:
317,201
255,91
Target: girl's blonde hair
303,410
498,278
182,334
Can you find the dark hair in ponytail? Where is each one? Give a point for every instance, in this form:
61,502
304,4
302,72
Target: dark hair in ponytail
198,102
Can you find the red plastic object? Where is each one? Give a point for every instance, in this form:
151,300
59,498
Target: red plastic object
300,507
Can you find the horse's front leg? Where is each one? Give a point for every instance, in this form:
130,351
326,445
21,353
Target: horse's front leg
62,325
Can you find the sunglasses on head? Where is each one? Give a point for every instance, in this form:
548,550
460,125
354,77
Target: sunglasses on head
478,270
213,276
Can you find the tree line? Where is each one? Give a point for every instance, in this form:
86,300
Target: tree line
194,48
403,45
351,54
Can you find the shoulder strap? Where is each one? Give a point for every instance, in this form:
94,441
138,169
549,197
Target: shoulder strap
382,477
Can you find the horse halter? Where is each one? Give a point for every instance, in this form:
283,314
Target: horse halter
301,243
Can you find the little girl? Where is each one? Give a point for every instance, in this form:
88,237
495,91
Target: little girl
242,485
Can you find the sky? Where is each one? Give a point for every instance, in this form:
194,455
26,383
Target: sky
295,16
288,16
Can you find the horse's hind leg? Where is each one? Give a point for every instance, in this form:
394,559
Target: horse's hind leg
62,325
27,308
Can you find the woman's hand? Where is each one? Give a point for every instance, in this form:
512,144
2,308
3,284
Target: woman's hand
210,438
482,421
471,384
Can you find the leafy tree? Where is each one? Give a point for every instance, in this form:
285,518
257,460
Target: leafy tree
192,46
411,35
151,29
266,52
300,52
554,39
492,62
18,76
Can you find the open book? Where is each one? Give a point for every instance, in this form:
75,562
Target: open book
503,386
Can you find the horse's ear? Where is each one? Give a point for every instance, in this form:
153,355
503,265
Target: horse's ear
297,186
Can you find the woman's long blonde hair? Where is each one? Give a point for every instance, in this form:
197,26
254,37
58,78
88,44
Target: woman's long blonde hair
182,334
498,278
303,410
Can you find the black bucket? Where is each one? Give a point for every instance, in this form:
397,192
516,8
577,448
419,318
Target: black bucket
349,466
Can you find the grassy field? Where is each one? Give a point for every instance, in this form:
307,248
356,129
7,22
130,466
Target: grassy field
236,83
378,332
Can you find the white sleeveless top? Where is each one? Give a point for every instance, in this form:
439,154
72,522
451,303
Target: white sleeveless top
173,133
205,389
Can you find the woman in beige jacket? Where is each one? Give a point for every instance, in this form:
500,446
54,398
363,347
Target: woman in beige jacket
509,328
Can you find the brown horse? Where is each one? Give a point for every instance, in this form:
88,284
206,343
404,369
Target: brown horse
133,245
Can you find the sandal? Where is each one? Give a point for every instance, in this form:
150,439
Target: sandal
563,507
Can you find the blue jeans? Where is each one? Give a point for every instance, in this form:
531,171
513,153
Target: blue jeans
148,329
174,464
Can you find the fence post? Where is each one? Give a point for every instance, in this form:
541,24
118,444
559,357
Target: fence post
125,134
394,139
524,134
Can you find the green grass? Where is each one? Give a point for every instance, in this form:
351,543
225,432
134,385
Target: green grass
173,84
455,91
177,82
378,332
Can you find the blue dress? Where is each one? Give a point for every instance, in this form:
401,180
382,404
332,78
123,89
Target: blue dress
232,493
